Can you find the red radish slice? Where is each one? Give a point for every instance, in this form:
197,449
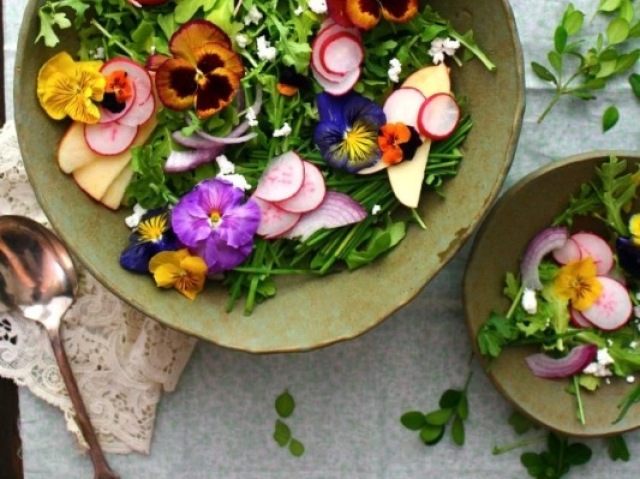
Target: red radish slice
613,307
341,52
438,116
109,138
567,253
594,246
274,221
140,112
311,193
342,87
107,116
403,105
316,54
337,209
135,71
282,179
578,319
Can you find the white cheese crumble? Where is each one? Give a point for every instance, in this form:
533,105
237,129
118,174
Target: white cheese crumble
298,11
631,379
226,166
633,344
376,209
441,47
285,130
265,50
600,367
242,40
395,68
317,6
529,301
236,179
134,219
253,16
97,54
251,117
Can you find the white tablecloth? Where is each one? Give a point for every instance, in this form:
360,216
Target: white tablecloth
350,396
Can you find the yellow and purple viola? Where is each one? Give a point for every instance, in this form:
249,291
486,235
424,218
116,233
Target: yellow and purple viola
152,235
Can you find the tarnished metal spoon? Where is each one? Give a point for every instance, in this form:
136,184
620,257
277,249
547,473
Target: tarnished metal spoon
38,279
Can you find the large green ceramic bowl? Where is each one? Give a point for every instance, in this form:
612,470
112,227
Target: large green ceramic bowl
313,312
526,209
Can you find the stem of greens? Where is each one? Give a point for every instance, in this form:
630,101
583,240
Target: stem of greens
120,45
417,219
497,450
576,386
476,51
516,302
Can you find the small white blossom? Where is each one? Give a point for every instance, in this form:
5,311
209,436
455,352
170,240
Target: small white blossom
242,40
251,117
97,54
253,16
265,50
633,344
226,166
285,130
236,179
441,47
529,301
395,68
134,219
298,11
631,379
376,209
317,6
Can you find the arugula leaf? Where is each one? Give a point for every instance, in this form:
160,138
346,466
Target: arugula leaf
610,118
495,333
557,460
617,448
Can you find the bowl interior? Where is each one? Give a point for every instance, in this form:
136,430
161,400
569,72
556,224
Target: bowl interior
306,313
523,211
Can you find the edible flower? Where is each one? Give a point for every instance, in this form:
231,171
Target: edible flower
152,235
69,88
398,142
179,270
215,222
118,89
634,228
204,72
347,133
576,281
366,14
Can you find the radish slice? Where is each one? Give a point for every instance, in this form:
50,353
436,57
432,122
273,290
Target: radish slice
403,105
578,358
578,319
274,221
341,52
438,116
311,192
542,244
567,253
107,116
179,161
613,307
337,209
139,76
316,55
282,179
109,139
594,246
140,112
340,88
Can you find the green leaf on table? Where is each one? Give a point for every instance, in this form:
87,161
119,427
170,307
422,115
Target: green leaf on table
431,435
626,10
560,39
610,118
520,422
413,420
450,399
617,448
555,60
282,433
457,431
543,73
462,410
296,448
439,417
578,454
609,5
618,31
285,404
634,81
573,21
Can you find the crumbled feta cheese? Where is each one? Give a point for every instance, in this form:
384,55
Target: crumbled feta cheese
600,367
529,301
253,16
317,6
97,54
395,68
633,344
226,166
251,117
298,11
631,379
134,219
265,50
242,40
376,209
441,47
285,130
236,179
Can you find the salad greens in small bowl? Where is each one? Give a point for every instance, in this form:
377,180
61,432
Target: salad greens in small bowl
551,292
269,175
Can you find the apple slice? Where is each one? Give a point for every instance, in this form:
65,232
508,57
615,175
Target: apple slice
112,198
430,80
96,177
73,152
406,177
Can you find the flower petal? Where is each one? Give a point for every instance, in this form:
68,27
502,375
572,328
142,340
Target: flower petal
331,109
240,224
221,257
190,221
166,275
364,14
399,11
167,257
327,136
176,84
211,56
192,35
215,92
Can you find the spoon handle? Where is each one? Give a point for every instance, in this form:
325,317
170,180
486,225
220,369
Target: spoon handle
101,468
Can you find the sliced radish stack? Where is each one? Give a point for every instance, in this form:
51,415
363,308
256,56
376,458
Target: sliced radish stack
109,139
274,221
612,309
107,116
341,52
311,192
136,72
578,319
438,116
594,246
403,105
282,179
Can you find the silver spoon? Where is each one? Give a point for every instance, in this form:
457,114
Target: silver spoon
38,279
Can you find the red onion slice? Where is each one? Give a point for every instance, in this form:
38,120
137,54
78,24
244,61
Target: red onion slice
542,244
180,161
578,358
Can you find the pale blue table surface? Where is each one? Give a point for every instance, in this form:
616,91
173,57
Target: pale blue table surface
218,424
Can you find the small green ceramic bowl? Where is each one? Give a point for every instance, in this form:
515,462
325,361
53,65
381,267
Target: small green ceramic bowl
526,209
311,312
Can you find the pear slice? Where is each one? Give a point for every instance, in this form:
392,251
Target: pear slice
430,80
112,198
96,177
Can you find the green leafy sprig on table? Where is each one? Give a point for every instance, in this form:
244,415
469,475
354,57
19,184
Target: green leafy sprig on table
285,405
580,70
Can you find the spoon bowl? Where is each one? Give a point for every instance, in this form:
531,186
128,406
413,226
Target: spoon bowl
38,280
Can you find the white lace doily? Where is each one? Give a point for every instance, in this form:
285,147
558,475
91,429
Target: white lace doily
122,360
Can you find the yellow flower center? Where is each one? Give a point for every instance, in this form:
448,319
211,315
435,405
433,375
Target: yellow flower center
151,229
358,143
577,282
215,218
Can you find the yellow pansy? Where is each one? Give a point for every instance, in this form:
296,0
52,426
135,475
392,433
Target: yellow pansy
634,228
577,282
69,88
179,270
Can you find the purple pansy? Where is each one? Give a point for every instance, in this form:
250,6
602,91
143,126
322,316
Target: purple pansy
215,222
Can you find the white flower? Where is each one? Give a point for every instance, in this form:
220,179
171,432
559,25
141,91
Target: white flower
529,301
376,209
441,47
253,16
285,130
242,40
633,344
97,54
298,11
251,117
265,50
631,379
236,179
317,6
226,166
134,219
395,68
